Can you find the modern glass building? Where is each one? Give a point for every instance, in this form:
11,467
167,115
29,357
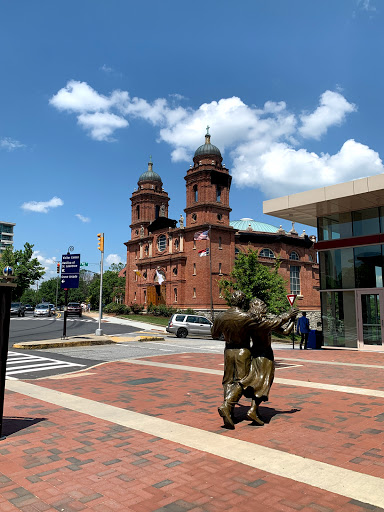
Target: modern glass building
6,235
350,223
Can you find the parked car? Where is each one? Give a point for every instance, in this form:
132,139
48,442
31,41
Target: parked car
74,308
17,308
28,307
182,325
53,308
42,310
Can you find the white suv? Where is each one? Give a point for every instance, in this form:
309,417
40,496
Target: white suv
182,325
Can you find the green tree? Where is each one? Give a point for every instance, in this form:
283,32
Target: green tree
116,267
256,280
27,269
29,297
112,286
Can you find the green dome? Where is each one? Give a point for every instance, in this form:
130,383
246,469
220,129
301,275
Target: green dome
243,225
207,148
150,175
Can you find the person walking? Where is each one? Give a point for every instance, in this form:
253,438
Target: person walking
303,329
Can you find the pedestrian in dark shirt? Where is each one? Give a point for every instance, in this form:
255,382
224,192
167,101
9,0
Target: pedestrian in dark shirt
303,329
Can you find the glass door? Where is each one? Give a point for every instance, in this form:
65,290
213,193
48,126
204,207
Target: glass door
370,319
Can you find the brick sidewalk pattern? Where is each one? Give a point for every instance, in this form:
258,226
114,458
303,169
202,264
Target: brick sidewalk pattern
55,458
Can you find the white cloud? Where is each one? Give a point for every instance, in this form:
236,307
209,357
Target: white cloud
366,5
106,69
332,111
101,125
42,206
113,258
79,97
282,169
10,144
265,145
82,218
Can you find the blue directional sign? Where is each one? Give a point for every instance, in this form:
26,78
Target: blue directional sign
70,270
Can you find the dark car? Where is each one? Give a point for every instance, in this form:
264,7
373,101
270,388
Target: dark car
17,308
74,308
28,307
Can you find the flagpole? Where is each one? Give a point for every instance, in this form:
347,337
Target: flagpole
210,272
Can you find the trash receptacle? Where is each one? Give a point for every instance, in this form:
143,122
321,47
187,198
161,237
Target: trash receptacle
319,339
312,339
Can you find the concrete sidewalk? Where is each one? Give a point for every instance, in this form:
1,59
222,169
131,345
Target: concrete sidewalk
144,435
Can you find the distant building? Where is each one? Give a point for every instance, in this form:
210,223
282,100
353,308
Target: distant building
6,235
181,265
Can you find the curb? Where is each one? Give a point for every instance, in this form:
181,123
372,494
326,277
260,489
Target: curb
83,341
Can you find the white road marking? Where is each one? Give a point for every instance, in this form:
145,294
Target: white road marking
26,363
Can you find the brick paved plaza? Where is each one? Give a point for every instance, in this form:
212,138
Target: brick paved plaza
144,435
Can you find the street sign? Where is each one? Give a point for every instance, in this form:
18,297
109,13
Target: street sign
291,298
70,269
83,264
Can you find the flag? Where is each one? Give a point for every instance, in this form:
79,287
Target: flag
160,277
137,272
204,252
201,235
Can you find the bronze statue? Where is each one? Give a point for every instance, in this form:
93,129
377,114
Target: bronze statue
248,356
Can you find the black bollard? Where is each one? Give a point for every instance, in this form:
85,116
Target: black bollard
5,314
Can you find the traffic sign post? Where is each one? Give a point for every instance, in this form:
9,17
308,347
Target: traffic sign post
291,297
70,273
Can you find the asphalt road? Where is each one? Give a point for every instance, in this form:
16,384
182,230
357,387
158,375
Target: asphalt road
29,328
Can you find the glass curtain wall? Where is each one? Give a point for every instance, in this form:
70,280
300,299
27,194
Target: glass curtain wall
339,319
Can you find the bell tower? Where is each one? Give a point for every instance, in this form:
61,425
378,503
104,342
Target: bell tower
149,202
208,183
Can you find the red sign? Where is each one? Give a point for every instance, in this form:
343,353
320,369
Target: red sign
291,298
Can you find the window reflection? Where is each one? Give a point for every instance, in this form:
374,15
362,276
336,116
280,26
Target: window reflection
339,319
368,266
366,222
337,269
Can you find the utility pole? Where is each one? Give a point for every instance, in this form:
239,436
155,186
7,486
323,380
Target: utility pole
100,236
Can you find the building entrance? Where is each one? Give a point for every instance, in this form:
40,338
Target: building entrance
370,318
156,294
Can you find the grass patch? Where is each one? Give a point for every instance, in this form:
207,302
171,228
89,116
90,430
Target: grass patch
149,319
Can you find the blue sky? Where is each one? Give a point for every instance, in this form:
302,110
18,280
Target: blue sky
292,92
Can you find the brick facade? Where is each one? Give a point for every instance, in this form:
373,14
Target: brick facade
159,248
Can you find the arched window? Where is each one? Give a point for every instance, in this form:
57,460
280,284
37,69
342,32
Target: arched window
195,194
161,243
294,256
294,279
138,211
218,193
176,243
157,211
220,247
175,293
266,253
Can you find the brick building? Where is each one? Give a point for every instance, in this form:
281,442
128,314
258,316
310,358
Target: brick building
178,263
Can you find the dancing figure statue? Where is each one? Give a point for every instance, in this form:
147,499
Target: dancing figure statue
248,356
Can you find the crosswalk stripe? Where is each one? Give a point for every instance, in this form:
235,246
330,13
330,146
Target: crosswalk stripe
26,363
32,369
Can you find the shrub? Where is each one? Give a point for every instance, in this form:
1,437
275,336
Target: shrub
136,308
118,309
